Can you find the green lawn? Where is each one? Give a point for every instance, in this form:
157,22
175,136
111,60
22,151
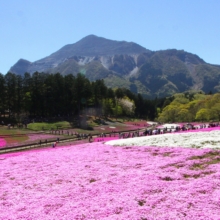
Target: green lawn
41,126
13,131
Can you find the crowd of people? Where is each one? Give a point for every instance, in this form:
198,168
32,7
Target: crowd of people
158,130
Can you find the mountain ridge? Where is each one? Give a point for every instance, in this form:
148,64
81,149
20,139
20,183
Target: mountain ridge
121,63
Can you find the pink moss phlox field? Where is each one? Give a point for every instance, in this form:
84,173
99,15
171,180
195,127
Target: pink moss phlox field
97,181
98,139
2,142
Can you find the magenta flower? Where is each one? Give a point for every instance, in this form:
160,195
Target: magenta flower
2,142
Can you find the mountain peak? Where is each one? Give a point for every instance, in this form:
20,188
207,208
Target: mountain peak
20,67
93,45
90,36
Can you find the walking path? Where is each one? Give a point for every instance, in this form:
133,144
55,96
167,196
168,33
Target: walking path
68,141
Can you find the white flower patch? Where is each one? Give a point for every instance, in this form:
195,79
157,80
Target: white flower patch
210,139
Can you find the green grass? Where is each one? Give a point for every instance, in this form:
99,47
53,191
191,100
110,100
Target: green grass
40,126
5,131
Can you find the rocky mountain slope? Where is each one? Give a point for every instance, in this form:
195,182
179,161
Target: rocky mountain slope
127,64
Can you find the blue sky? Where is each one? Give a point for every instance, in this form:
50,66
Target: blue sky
33,29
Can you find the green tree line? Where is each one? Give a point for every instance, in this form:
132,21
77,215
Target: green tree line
188,107
49,95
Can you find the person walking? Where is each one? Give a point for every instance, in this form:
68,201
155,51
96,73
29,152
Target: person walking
54,144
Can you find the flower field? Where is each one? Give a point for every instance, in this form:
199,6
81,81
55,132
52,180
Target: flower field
100,181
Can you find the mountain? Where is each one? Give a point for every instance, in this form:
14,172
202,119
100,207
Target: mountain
127,64
20,67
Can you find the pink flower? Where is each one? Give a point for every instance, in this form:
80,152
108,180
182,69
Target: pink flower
97,181
2,142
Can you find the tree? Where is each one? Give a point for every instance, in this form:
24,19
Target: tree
183,114
214,99
139,103
127,106
19,98
108,105
82,90
119,93
169,114
180,99
2,94
99,92
202,114
215,111
192,107
69,96
58,91
117,111
10,82
38,96
27,93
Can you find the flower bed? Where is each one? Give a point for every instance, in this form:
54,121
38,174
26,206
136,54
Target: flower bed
2,142
35,137
98,181
12,141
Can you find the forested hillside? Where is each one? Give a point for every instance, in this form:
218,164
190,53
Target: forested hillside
188,107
